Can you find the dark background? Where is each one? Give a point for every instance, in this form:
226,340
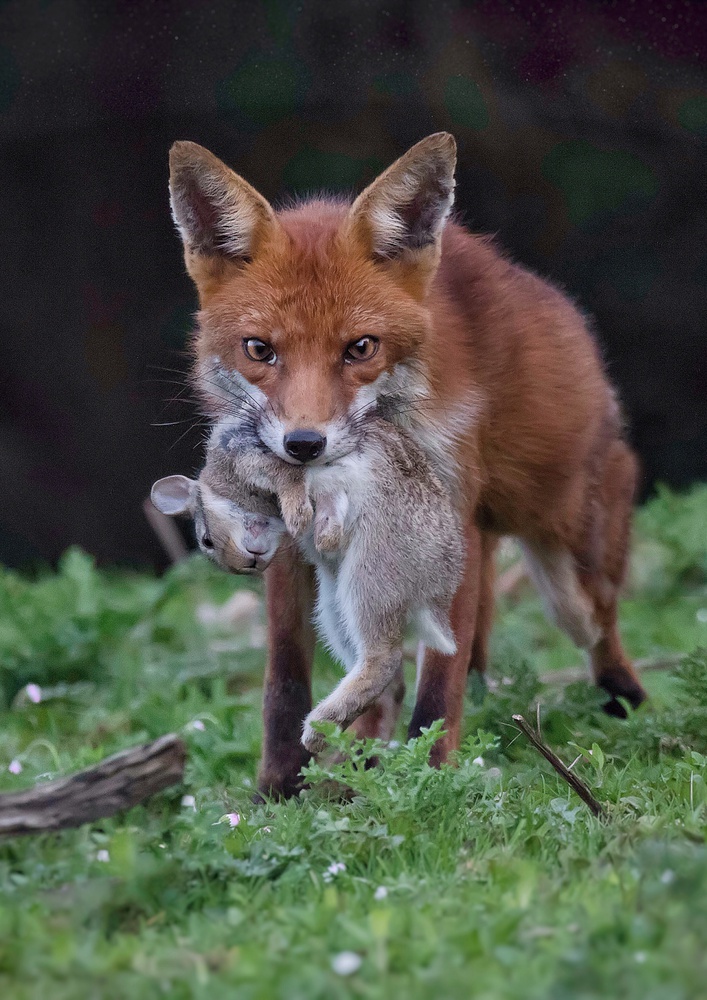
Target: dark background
582,131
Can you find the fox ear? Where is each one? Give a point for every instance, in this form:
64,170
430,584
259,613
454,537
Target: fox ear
401,215
174,495
220,217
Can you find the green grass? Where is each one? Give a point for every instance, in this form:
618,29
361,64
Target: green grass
487,880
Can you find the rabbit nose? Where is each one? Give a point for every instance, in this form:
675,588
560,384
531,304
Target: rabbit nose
256,546
256,539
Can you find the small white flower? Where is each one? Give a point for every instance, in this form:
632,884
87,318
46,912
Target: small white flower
198,725
334,868
346,963
14,767
640,957
668,876
480,761
702,616
34,693
233,819
103,856
189,802
394,744
267,829
380,893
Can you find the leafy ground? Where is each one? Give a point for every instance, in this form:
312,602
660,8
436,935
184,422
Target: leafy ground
488,880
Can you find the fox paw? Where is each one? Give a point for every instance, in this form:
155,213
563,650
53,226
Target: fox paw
328,534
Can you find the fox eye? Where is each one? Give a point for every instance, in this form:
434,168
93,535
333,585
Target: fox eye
361,350
207,542
258,350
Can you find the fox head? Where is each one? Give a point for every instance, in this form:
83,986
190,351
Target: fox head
312,316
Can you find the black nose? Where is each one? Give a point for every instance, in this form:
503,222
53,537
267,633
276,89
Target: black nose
304,445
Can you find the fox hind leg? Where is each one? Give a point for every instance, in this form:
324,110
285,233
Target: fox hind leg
611,668
484,617
580,583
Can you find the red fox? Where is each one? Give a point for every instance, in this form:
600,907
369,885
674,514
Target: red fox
309,314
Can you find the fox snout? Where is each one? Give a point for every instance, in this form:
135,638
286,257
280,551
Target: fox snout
304,445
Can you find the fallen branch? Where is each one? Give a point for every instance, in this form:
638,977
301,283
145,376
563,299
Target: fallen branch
510,579
118,782
569,776
573,674
167,532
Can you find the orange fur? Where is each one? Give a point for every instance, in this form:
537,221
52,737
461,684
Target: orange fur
518,395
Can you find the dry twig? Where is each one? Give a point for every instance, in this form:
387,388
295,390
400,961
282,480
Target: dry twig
569,776
167,532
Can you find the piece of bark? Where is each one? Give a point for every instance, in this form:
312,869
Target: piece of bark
575,783
118,782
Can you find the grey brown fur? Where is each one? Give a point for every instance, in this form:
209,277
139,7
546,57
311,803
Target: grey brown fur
385,540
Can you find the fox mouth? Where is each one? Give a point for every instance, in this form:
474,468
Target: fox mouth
342,438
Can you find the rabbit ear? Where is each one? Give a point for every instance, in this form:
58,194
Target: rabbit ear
174,495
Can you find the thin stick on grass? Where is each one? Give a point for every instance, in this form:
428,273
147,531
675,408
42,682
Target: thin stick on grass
575,783
118,782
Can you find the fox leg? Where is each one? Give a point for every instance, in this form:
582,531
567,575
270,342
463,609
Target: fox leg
287,695
580,580
441,678
484,618
376,668
611,668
